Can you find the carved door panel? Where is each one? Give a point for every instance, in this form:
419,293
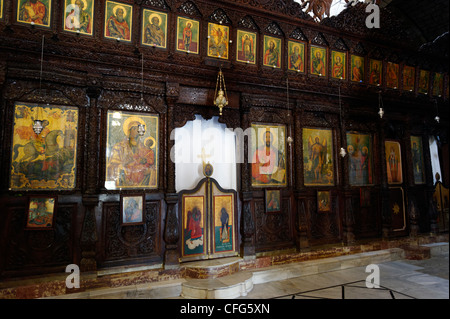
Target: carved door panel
208,222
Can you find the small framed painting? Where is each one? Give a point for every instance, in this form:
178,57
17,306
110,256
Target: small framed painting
338,65
394,162
357,68
188,35
34,12
273,201
1,9
41,212
154,28
296,56
246,47
218,40
438,84
318,62
272,52
323,201
417,159
132,209
375,72
392,70
118,21
409,76
78,16
424,81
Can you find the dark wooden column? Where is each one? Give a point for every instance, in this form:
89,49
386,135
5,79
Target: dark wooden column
345,190
386,215
410,201
247,220
90,197
301,220
171,230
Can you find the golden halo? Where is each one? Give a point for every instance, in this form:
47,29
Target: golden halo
126,124
149,140
155,15
274,44
120,7
262,135
296,46
84,2
319,52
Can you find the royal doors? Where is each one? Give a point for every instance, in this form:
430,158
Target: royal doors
208,222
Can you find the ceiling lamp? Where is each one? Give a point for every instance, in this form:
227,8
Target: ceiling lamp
220,95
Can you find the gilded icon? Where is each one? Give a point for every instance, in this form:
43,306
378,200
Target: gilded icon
154,28
35,12
41,211
131,158
323,201
272,52
409,76
424,81
394,162
392,73
118,21
188,35
218,40
338,65
438,84
78,16
318,164
223,223
193,225
359,149
417,159
273,200
318,61
132,208
375,72
246,47
48,160
268,154
296,56
357,68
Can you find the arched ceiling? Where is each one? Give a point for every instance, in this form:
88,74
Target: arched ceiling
425,21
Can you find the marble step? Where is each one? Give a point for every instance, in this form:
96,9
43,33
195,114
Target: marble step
228,287
213,268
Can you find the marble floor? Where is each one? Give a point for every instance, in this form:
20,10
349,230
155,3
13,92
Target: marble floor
399,279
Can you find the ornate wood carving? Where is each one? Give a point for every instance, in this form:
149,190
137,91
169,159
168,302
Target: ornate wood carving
248,23
46,248
319,39
274,28
298,34
131,241
190,9
219,16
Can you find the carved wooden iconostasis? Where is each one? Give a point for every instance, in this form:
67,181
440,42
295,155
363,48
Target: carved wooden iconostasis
312,83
